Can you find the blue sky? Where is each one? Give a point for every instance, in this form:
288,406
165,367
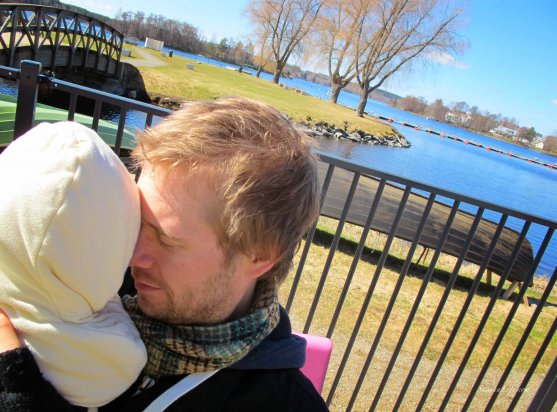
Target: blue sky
509,68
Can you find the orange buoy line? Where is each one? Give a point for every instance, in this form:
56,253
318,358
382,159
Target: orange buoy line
467,142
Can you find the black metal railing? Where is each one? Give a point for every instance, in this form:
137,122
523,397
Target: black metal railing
408,333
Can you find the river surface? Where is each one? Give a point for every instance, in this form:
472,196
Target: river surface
444,163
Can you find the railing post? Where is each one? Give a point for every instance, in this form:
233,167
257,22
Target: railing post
26,97
546,396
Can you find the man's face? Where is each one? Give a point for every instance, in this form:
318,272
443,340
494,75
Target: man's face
179,270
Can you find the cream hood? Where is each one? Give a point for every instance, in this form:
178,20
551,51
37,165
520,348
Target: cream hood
69,218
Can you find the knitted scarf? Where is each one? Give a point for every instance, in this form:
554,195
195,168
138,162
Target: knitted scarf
178,349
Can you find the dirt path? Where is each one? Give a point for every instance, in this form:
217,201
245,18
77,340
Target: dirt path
146,59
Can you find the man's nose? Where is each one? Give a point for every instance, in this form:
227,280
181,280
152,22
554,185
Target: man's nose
142,254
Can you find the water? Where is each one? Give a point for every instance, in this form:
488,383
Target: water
447,164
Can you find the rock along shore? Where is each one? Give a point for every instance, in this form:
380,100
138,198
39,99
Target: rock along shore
323,129
319,129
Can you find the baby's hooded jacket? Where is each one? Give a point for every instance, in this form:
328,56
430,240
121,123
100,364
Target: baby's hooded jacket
69,220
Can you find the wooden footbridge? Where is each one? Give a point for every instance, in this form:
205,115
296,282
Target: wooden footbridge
57,38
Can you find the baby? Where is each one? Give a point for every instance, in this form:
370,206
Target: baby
69,220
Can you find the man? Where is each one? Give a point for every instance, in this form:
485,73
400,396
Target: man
227,188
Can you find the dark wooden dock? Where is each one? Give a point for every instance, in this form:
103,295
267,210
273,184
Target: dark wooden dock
412,214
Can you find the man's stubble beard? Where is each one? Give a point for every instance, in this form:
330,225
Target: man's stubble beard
202,306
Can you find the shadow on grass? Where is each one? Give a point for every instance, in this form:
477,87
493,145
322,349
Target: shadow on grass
395,264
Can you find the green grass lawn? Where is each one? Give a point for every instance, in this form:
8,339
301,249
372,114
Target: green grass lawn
388,278
206,81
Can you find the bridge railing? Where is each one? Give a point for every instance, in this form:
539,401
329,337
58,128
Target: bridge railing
57,37
408,334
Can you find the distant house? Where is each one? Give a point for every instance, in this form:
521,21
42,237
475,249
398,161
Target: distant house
504,131
458,118
538,141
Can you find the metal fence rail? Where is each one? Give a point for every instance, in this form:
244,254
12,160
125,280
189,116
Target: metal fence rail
408,334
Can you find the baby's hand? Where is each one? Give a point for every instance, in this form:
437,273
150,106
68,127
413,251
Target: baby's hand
8,335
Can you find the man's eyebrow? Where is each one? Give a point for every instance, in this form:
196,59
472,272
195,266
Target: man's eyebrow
160,231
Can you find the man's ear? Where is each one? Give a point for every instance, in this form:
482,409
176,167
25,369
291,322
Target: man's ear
260,266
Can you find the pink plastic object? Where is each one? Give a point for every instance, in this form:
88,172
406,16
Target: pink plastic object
318,354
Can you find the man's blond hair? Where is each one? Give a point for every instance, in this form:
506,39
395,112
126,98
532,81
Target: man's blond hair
262,168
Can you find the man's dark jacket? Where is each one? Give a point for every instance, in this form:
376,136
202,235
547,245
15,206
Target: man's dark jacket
268,379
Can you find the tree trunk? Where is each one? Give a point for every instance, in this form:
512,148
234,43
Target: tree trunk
276,76
335,91
258,72
362,103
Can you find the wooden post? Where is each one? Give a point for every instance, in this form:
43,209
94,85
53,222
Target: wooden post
488,277
510,290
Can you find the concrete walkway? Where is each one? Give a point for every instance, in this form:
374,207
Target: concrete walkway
146,59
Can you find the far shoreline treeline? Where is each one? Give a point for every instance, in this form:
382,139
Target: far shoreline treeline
188,38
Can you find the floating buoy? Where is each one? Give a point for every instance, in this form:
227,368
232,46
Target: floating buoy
416,128
466,142
390,120
488,148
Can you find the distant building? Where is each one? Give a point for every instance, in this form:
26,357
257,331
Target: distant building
154,44
504,131
538,141
458,118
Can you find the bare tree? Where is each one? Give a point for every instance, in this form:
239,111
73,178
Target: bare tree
550,143
398,31
288,22
412,104
526,134
263,37
339,26
437,110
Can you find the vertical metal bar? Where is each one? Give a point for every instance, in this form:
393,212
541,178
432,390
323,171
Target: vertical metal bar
504,329
421,292
309,238
71,108
332,250
358,324
463,311
356,259
121,125
26,97
440,307
96,114
548,338
546,395
387,314
359,321
486,316
148,120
